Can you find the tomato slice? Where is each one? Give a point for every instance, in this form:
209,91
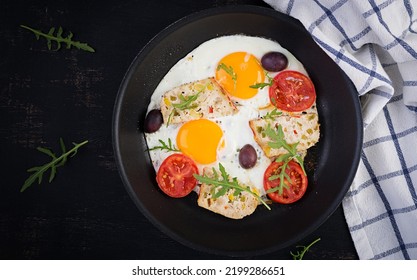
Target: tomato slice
292,91
296,186
175,175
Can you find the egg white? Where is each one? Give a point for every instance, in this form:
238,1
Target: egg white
201,63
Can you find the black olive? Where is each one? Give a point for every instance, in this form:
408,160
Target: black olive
153,121
274,61
247,156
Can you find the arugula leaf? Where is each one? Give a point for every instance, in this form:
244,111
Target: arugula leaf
281,176
226,184
185,103
38,171
261,85
164,146
229,70
272,115
300,254
278,141
59,39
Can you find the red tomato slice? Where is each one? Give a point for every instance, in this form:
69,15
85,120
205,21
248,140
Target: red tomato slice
297,185
175,175
292,91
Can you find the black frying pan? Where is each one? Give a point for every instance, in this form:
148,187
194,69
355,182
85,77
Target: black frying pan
332,163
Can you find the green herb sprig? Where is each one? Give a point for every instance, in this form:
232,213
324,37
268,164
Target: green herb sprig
278,141
59,39
185,103
226,184
39,171
300,254
262,85
169,147
282,175
272,115
229,70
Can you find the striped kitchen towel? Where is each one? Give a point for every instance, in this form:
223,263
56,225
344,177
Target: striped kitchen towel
375,43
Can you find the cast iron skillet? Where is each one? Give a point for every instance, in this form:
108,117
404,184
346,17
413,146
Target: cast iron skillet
331,164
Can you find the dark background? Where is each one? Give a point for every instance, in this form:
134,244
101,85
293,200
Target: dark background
85,213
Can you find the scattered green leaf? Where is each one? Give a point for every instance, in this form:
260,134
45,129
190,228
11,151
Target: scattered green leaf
226,184
185,103
262,85
272,115
39,171
278,141
229,70
282,175
59,39
169,147
300,254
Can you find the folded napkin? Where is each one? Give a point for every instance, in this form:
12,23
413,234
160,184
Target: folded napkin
375,43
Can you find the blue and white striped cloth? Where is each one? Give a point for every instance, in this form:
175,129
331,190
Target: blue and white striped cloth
375,43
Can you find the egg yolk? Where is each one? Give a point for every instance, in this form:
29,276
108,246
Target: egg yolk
238,71
199,139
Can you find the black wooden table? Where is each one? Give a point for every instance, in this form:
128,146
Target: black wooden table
85,212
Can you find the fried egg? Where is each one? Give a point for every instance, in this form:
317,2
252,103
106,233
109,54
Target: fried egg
234,62
200,140
237,71
203,61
